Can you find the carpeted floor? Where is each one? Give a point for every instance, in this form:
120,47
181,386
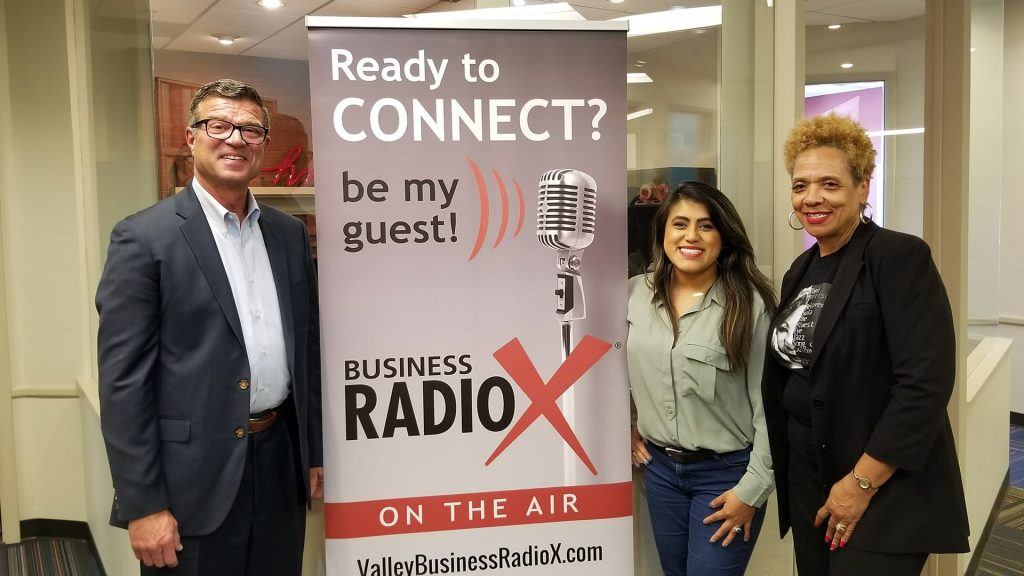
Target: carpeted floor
48,557
1017,456
1003,552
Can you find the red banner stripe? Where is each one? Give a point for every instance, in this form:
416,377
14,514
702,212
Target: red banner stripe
477,510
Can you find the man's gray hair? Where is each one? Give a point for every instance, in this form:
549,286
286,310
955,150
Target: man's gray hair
227,88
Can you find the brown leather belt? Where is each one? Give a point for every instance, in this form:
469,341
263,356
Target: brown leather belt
262,421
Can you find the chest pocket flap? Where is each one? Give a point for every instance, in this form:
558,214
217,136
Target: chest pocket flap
699,365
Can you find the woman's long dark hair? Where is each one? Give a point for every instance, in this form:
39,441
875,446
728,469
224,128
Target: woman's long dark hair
737,272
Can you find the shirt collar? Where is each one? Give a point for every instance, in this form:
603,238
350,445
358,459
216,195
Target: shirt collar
217,214
716,294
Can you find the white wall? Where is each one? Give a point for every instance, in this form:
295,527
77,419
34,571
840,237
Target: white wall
1011,280
9,510
1016,334
111,543
46,313
983,451
1010,205
986,164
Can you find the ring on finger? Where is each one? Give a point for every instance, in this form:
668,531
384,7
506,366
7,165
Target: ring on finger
737,529
840,527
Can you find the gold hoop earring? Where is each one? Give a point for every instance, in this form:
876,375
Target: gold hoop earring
790,221
865,218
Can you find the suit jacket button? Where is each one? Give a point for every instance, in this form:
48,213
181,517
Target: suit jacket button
243,384
818,403
239,432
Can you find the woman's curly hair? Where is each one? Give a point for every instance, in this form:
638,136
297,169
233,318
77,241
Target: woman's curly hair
833,130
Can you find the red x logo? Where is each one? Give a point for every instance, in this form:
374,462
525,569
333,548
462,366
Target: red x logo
514,360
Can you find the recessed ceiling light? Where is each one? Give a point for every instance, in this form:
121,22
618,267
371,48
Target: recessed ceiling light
616,1
639,114
225,39
673,21
846,65
899,132
519,2
973,49
638,78
834,26
271,4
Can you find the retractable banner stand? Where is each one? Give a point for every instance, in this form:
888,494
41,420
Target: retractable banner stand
471,236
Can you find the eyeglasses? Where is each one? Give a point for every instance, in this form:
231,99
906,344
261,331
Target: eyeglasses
222,130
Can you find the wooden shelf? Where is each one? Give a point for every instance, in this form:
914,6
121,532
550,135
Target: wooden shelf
276,191
282,191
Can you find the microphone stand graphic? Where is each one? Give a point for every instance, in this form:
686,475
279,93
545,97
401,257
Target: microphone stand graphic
566,219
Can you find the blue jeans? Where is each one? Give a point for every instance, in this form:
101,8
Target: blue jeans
679,498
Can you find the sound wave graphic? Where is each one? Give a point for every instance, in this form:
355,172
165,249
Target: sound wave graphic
485,208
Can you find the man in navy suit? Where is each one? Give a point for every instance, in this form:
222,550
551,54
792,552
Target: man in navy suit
209,362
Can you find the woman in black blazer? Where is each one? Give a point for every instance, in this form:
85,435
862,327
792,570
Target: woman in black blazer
862,356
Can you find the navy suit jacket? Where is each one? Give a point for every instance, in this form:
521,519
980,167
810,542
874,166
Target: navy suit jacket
881,375
173,405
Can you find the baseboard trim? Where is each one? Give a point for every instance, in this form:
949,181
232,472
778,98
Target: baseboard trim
972,566
1016,418
48,528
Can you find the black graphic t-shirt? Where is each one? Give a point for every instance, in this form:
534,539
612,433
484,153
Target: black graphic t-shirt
792,342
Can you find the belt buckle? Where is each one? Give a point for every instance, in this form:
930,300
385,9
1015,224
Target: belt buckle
672,451
261,423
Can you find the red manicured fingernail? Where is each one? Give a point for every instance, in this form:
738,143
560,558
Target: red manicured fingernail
842,544
828,539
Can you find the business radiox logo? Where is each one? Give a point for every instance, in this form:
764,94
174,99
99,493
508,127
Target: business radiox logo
465,403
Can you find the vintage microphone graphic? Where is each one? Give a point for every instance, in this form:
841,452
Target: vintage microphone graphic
566,218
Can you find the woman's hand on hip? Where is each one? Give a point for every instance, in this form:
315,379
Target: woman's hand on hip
640,455
735,515
843,509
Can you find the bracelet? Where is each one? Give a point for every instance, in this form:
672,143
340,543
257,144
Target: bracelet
864,482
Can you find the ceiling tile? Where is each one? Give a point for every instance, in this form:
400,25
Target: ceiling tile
167,29
823,19
292,8
200,38
826,5
881,10
179,11
159,42
196,42
355,8
287,46
414,5
296,29
647,6
595,14
244,22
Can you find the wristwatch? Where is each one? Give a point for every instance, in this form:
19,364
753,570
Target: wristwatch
864,482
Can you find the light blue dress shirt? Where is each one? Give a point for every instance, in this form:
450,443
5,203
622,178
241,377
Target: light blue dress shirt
245,259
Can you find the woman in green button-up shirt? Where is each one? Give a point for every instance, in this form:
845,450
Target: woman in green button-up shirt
697,324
